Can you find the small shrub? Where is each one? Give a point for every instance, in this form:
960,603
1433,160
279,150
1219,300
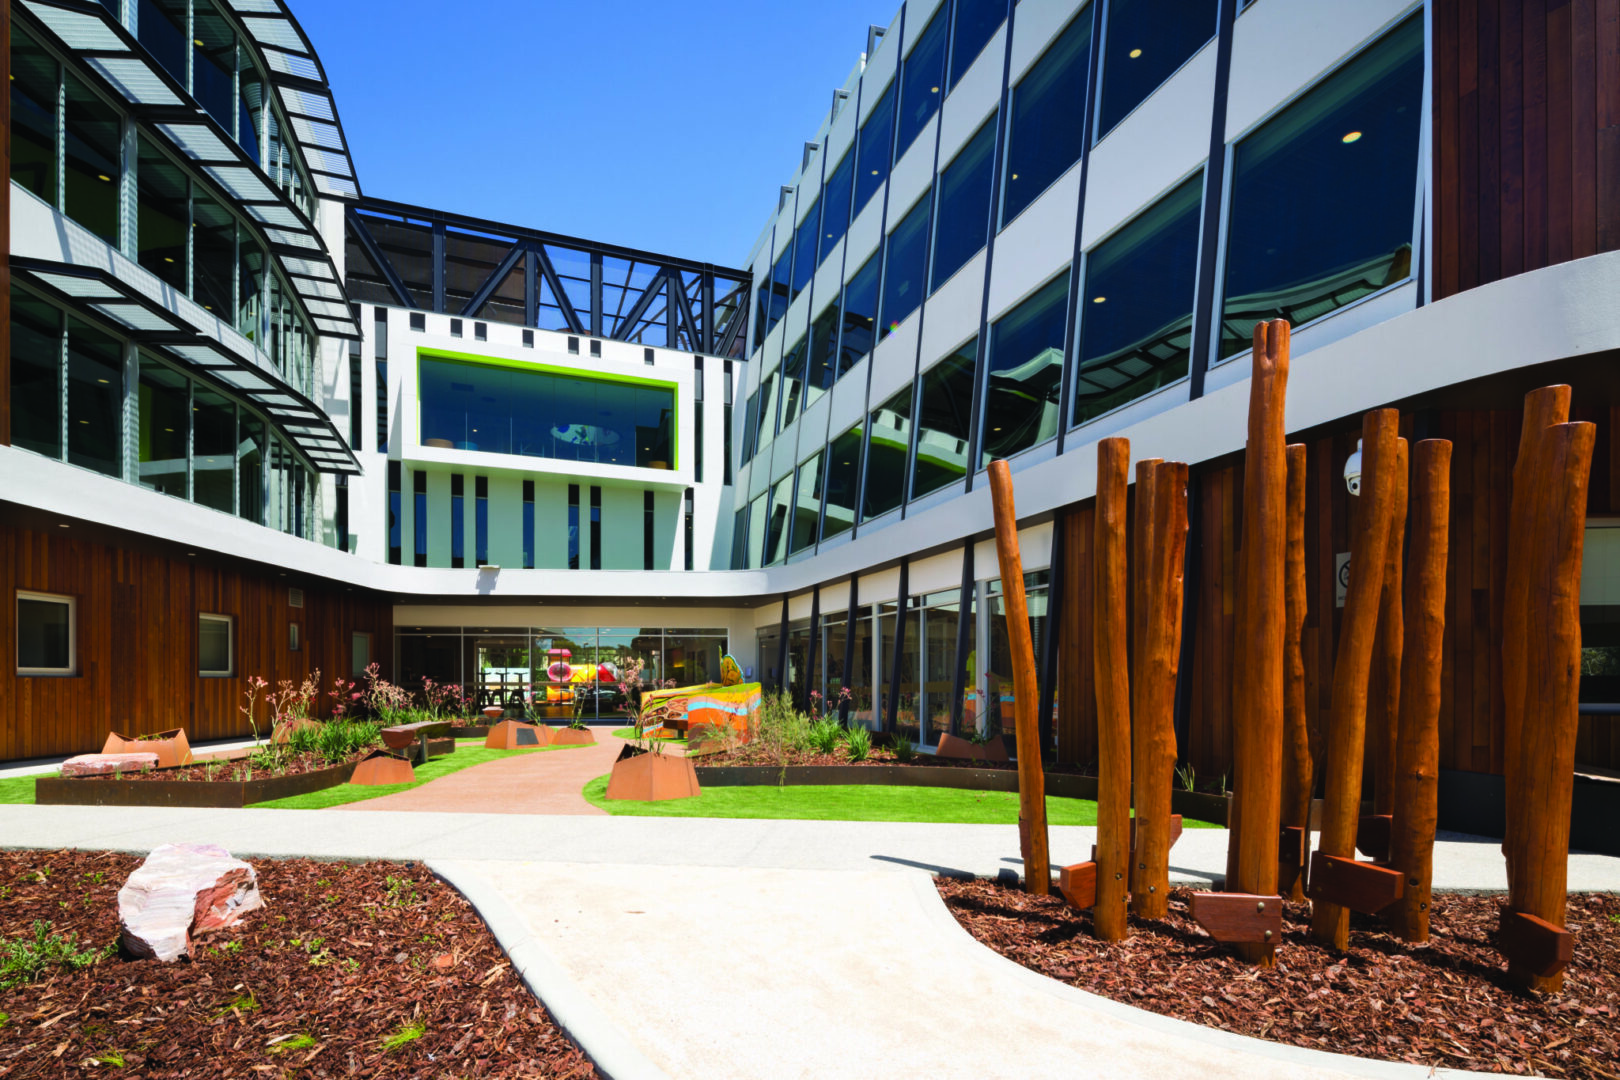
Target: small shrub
825,735
858,743
408,1033
900,746
24,961
401,892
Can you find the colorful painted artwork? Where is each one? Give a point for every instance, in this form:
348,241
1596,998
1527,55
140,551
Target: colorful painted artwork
687,708
730,673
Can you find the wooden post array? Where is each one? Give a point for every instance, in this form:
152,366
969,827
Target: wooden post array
1155,687
1384,696
1417,756
1330,921
1111,666
1032,839
1142,580
1532,929
1297,775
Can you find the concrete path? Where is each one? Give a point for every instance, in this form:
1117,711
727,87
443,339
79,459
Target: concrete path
533,783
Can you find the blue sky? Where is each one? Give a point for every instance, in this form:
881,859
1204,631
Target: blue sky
663,126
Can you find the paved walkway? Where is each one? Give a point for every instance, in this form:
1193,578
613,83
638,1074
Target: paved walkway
534,783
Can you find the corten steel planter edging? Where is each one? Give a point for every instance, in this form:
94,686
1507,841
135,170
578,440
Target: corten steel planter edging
573,737
194,794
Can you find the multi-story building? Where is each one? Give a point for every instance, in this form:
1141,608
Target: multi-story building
257,422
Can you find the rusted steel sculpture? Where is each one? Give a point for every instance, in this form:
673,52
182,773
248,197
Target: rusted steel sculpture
1032,840
1298,775
1543,409
1532,933
1415,804
1112,677
1337,881
1159,657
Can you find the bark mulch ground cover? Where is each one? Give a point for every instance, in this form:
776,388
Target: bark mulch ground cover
1444,1004
759,753
351,969
287,763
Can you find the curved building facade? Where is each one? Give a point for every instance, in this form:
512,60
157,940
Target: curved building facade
257,422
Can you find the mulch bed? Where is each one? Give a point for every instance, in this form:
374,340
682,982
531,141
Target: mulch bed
756,753
1444,1004
342,957
238,768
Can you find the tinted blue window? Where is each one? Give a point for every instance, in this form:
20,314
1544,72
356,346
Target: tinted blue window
943,415
872,157
823,369
921,81
835,206
762,311
905,263
886,450
843,483
793,379
780,275
1147,41
776,524
765,431
860,315
976,20
1026,372
163,34
806,505
1136,308
804,250
1044,129
963,221
1322,195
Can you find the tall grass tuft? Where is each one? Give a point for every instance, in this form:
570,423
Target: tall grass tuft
858,743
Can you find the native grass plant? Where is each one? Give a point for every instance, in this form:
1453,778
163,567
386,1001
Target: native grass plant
900,746
858,743
825,734
1187,776
783,729
24,960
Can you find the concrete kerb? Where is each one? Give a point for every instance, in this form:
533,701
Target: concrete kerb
973,951
596,1033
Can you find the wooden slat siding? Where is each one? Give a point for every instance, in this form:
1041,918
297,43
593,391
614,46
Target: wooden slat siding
1527,136
136,638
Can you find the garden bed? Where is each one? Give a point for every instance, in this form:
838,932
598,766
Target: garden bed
1446,1004
158,788
374,969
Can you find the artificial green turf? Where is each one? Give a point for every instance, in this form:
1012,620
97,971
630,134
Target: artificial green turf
465,757
18,789
854,802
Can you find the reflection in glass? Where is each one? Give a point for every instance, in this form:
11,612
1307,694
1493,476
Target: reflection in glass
963,221
781,275
823,370
766,429
943,417
860,315
250,503
804,250
94,138
214,254
793,378
938,641
213,449
872,160
904,722
905,262
1137,305
976,20
1001,701
35,78
756,531
164,216
1045,133
843,478
1026,373
806,505
213,65
95,394
163,410
250,99
545,414
887,446
36,375
1147,41
249,284
1322,195
835,206
162,26
776,525
922,74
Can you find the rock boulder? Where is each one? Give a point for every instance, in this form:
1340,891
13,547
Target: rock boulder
182,890
107,764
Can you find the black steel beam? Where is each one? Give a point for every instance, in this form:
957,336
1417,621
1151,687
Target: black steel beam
891,714
564,304
507,264
810,680
964,620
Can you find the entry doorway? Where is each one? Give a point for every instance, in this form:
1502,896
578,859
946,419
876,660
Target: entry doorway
502,675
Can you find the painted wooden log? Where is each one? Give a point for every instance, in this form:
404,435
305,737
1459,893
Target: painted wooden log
1539,872
1384,687
1330,922
1110,634
1417,753
1032,838
1297,772
1542,409
1154,726
1258,733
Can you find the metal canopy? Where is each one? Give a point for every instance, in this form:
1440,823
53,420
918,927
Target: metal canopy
101,293
94,36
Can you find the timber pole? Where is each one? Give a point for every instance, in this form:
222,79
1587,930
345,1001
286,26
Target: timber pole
1417,754
1032,840
1297,774
1154,721
1330,922
1384,693
1142,601
5,227
1110,633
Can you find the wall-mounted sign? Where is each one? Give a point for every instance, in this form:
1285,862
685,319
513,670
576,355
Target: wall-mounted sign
1341,577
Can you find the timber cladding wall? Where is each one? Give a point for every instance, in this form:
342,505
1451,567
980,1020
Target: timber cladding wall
1485,444
136,626
1526,136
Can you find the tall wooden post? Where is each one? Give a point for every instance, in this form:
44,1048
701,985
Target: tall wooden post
1032,841
5,225
1297,773
1141,587
1384,688
1538,874
1110,633
1542,409
1417,755
1154,723
1330,922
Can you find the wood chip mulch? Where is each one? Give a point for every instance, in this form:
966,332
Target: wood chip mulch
234,769
342,958
759,754
1444,1004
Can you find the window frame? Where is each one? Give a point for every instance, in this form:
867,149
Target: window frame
72,605
230,646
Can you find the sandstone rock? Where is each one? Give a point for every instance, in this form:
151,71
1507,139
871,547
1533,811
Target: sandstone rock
182,890
107,764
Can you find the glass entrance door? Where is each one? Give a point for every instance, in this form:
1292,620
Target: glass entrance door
502,676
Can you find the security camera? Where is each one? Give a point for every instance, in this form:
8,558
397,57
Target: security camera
1352,470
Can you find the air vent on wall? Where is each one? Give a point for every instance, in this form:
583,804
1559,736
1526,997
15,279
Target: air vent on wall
295,598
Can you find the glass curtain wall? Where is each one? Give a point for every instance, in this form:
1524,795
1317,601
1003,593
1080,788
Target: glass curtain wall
859,315
997,685
922,78
943,416
1026,374
887,447
872,154
962,222
806,505
843,478
1147,41
905,261
905,720
1045,128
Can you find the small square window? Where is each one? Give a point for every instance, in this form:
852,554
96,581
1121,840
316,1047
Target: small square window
528,339
295,640
418,321
359,654
480,331
455,327
216,641
573,345
647,356
45,634
596,348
